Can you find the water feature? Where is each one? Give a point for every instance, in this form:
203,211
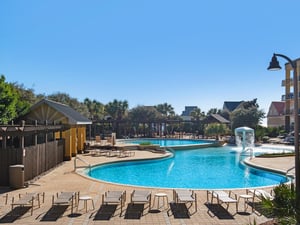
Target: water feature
244,137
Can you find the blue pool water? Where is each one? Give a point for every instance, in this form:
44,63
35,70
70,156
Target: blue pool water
167,142
205,168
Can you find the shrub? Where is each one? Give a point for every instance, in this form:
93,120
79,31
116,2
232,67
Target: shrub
283,206
146,143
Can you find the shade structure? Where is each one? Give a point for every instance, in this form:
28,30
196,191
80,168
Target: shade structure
244,137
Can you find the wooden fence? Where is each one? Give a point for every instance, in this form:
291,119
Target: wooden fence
36,159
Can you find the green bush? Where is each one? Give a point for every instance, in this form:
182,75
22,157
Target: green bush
283,206
265,139
146,143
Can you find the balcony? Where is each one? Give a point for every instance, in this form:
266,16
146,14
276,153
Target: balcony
289,96
284,82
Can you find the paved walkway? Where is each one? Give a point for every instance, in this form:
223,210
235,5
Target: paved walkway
63,178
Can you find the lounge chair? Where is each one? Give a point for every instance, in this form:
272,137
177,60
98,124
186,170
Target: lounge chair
260,194
223,197
141,197
66,198
114,197
185,196
27,199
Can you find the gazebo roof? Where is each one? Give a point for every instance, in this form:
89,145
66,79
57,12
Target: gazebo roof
72,115
242,129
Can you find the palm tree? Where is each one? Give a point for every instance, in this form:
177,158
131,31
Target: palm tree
167,112
96,109
197,116
165,109
118,111
145,115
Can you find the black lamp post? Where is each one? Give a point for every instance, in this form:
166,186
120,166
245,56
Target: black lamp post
274,65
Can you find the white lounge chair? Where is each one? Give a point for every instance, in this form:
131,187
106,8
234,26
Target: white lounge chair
260,194
141,197
114,197
185,196
223,197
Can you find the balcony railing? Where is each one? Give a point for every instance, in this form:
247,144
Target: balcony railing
284,82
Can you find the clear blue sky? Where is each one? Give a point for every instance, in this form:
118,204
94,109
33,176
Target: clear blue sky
184,53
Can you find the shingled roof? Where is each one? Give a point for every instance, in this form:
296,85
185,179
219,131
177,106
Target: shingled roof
73,116
231,106
216,118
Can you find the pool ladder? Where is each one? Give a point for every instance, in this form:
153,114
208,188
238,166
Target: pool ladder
291,176
82,160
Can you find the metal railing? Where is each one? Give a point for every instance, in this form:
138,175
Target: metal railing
83,161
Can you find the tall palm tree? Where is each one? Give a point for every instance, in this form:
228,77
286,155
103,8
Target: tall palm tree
197,116
96,109
167,112
117,110
165,109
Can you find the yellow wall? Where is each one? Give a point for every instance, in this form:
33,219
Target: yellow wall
67,135
81,137
75,138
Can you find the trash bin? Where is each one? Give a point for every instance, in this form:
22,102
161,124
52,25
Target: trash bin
16,176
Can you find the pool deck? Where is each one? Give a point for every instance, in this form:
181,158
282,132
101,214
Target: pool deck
64,178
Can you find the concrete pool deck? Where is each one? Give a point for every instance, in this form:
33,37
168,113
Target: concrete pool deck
64,178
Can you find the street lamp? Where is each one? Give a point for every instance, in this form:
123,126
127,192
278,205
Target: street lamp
274,65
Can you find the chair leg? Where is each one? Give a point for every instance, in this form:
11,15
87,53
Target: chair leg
32,205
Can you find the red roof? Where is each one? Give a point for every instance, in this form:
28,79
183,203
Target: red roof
279,106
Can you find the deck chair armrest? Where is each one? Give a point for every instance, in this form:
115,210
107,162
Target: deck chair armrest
231,193
215,195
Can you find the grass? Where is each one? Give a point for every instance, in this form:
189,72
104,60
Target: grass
146,143
272,155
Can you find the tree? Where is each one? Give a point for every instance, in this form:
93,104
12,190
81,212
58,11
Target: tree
165,109
95,108
72,102
214,111
8,101
216,129
197,116
247,115
144,115
117,109
26,98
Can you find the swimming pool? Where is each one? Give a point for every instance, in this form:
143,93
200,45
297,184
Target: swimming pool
168,142
204,168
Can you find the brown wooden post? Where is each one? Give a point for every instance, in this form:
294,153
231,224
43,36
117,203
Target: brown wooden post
4,137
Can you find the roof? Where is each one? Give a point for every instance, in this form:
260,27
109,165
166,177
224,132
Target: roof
231,106
242,129
187,110
220,118
279,106
73,116
216,118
